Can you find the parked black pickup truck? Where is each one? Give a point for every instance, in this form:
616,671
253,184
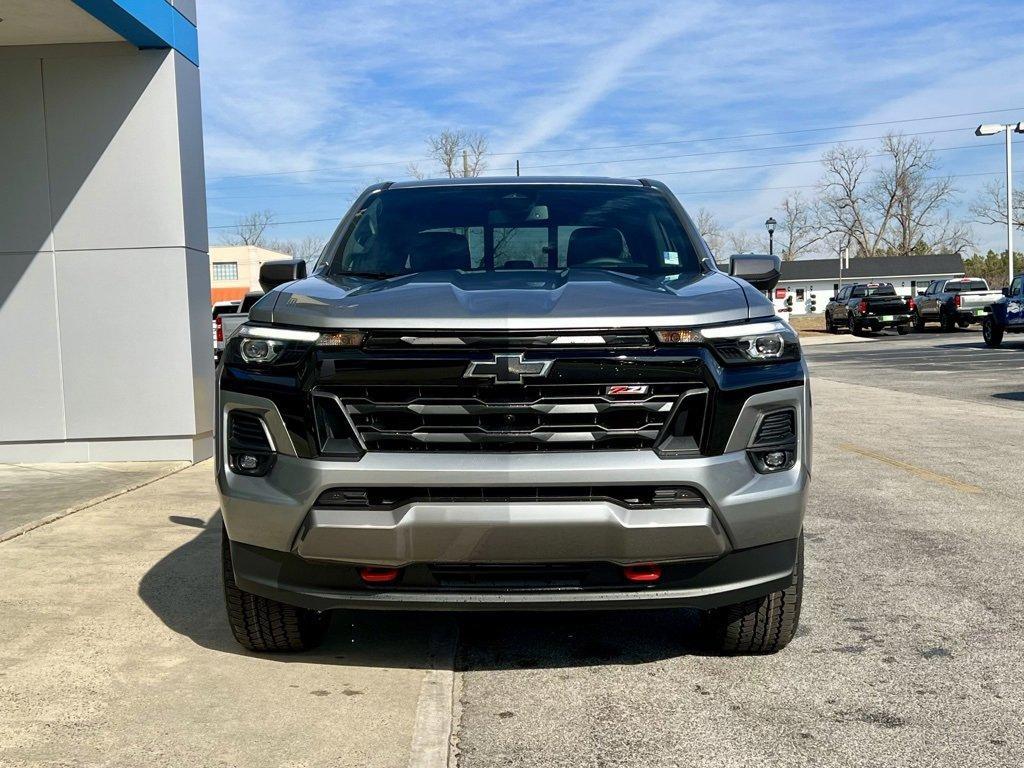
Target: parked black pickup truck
867,307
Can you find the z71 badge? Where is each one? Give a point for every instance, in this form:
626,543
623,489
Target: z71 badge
628,389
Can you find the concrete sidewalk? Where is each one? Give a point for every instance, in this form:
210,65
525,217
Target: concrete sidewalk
114,651
33,493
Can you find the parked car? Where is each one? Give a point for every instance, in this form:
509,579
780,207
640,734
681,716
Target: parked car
221,308
227,323
867,307
952,303
1007,314
514,394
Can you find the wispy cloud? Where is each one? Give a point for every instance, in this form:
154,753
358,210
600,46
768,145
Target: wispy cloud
356,88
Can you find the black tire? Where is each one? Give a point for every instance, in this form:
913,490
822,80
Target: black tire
991,333
830,327
261,624
918,322
903,329
760,626
964,323
855,328
946,323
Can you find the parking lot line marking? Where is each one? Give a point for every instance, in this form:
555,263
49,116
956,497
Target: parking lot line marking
921,472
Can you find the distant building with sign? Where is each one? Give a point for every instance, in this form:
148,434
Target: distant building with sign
807,285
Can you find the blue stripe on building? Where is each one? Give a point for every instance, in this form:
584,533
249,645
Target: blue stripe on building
147,24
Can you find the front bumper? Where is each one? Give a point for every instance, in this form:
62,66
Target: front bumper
289,549
737,576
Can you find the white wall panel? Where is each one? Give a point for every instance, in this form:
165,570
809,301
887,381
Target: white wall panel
30,377
24,199
112,136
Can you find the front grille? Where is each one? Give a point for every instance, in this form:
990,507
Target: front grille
776,427
246,432
485,417
630,496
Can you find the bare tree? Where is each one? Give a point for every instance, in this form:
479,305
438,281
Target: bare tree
906,198
250,229
741,241
458,153
952,236
845,212
710,230
798,229
990,205
308,248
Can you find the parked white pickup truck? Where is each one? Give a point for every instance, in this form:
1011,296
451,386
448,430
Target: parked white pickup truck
952,303
225,323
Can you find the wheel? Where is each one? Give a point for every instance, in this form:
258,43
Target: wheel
903,329
918,322
964,323
830,327
991,333
261,624
946,323
855,327
763,625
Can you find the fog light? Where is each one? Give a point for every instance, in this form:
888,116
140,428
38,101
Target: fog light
248,462
775,459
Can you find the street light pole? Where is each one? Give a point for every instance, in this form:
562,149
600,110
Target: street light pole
991,129
770,226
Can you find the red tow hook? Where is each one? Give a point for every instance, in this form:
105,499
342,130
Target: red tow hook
642,572
374,575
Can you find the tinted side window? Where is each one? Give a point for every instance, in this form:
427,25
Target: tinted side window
857,293
1016,286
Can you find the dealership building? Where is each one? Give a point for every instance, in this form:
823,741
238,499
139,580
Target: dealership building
807,285
104,272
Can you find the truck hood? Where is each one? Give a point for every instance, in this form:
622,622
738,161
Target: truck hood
512,300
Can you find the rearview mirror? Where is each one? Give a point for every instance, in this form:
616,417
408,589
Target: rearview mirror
276,273
760,270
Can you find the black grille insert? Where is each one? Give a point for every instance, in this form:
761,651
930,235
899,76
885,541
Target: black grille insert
471,417
246,432
777,427
631,496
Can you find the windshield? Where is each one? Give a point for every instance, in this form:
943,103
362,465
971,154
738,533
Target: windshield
514,227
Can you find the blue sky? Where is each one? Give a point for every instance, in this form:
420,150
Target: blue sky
353,89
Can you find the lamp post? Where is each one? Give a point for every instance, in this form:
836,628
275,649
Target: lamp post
991,129
770,226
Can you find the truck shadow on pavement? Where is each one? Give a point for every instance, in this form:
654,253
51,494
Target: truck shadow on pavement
183,589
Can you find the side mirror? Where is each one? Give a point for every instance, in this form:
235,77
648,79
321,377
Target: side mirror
760,270
1006,291
275,273
834,298
920,293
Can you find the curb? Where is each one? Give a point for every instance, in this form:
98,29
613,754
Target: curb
21,530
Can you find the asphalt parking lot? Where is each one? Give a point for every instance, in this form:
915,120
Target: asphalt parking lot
955,365
114,651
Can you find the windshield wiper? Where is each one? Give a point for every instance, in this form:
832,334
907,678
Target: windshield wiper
373,275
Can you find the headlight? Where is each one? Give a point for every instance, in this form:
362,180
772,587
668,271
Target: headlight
762,342
267,345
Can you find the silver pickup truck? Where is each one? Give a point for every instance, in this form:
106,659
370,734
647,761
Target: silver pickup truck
951,303
226,323
514,394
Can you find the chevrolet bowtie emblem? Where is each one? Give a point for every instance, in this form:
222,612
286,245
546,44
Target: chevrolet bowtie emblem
508,369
